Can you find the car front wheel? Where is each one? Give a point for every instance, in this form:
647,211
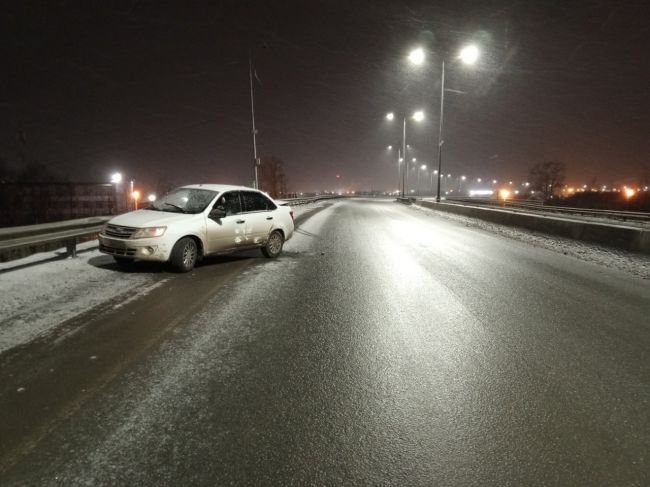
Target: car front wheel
184,254
273,245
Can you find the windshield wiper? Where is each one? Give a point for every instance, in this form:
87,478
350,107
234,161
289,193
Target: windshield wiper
175,206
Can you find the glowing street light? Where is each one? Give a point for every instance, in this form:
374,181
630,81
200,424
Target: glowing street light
468,55
151,197
418,116
504,194
390,116
390,147
416,56
116,178
629,192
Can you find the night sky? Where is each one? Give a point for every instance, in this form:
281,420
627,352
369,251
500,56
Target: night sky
159,90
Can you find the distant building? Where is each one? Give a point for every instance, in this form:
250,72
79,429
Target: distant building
32,203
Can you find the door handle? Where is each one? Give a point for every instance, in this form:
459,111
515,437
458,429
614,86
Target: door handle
269,218
241,221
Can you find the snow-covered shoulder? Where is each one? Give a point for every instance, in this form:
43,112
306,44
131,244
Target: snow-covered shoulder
42,291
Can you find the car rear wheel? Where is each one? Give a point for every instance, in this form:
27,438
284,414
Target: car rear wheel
184,255
273,246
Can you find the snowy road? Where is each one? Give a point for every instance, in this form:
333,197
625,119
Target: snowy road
388,345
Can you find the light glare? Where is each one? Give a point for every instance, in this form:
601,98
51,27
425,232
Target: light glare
417,56
390,116
418,116
469,54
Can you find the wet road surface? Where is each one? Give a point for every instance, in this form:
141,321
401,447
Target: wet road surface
385,347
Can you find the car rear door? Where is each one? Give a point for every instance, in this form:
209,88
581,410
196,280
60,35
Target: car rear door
258,213
227,233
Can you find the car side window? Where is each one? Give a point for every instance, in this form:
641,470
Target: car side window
229,202
254,201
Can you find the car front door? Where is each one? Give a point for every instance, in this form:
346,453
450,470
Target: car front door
228,232
259,214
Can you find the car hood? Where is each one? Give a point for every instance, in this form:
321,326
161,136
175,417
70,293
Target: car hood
150,218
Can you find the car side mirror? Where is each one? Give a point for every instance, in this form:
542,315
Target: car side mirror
217,213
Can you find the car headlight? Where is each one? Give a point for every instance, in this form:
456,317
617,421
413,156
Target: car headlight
149,232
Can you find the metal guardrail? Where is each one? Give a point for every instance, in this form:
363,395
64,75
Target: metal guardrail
538,206
67,232
70,231
308,199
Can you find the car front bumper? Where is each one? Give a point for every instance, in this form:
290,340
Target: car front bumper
153,249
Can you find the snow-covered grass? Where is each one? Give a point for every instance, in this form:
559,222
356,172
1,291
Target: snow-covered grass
39,292
630,262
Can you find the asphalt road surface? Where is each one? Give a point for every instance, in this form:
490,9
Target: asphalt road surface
386,346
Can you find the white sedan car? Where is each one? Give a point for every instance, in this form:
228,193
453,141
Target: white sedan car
198,220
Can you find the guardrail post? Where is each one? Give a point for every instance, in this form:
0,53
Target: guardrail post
71,248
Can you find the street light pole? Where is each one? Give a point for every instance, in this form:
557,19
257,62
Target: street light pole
250,78
405,161
399,167
440,141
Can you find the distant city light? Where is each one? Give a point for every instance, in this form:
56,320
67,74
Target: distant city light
152,197
390,116
504,194
423,167
481,192
629,192
389,147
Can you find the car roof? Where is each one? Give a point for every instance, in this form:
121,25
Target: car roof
220,187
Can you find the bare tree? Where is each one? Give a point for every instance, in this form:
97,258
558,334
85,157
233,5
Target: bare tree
547,177
271,176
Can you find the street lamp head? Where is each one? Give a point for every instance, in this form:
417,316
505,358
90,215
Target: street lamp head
414,159
463,178
390,147
116,178
416,56
152,197
423,167
469,54
390,116
418,116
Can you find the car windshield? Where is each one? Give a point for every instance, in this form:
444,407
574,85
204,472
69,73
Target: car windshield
184,200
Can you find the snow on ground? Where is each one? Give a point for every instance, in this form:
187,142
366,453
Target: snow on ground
630,262
41,291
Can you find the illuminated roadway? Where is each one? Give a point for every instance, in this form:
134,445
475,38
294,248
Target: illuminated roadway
385,347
